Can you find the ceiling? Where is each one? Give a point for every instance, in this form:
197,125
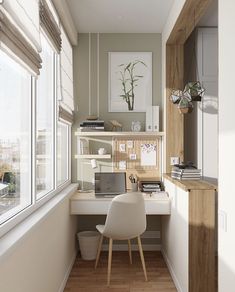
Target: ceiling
120,16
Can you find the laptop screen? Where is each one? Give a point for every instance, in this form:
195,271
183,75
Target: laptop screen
110,183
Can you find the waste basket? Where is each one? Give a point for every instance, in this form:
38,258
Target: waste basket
88,242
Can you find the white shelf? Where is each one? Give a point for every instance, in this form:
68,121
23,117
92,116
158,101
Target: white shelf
119,134
92,156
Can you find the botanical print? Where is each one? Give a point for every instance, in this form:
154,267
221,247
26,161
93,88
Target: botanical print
130,81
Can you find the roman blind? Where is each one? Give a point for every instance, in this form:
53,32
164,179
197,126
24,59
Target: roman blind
14,42
66,98
25,14
49,24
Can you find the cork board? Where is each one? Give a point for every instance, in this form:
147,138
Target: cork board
122,152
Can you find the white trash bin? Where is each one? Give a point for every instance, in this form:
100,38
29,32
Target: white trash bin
88,242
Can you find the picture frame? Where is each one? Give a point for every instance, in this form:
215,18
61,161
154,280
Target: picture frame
130,81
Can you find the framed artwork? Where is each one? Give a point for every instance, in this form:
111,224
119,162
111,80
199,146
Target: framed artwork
130,81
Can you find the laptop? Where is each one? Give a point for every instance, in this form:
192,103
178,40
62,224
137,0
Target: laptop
110,184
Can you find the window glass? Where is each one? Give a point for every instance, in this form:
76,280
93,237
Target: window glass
15,137
44,122
62,153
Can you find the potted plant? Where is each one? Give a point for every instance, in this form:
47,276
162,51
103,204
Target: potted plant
195,90
185,105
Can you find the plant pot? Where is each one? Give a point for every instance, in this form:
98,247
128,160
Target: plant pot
184,110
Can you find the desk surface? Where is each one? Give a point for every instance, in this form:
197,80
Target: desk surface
89,204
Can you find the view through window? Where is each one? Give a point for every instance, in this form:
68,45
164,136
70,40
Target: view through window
15,137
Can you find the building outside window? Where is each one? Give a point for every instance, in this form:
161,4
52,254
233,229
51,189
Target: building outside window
15,138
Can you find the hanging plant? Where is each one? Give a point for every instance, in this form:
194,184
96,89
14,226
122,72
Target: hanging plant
176,95
185,105
195,90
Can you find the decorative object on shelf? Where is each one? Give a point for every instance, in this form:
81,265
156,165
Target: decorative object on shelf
130,81
92,118
136,126
115,125
152,118
102,151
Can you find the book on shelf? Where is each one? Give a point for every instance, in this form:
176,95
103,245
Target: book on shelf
185,173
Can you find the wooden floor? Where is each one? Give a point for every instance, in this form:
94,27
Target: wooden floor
124,277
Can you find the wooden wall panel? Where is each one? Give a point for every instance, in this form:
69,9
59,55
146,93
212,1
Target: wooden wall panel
190,15
202,263
174,120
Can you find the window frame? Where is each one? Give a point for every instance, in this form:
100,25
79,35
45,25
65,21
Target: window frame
18,217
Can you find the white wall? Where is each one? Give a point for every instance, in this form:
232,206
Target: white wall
40,260
226,144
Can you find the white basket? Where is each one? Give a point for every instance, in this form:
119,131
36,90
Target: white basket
88,242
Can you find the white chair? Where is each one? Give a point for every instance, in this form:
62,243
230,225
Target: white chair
126,219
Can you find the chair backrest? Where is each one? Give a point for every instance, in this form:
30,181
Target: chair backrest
126,217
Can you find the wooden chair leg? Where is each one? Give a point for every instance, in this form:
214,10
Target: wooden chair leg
129,249
142,258
110,259
98,251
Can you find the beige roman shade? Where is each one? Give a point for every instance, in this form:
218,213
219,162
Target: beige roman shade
13,41
49,25
65,74
25,14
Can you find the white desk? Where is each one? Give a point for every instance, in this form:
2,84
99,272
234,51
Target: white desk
88,204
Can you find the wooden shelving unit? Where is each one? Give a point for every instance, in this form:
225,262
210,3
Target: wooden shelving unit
93,156
118,134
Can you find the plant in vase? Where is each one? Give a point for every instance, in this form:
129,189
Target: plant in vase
195,90
185,105
129,81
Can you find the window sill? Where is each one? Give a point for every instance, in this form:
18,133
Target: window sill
16,234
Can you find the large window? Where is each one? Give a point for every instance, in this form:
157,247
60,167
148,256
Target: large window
34,140
45,122
62,153
15,138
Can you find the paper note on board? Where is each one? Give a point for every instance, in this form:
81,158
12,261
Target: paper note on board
148,154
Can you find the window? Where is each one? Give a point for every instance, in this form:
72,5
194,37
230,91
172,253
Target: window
34,145
44,122
15,138
62,153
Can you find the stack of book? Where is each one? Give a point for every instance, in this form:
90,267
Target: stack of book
91,125
150,186
185,173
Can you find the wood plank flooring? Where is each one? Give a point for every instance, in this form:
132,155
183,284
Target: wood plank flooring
124,277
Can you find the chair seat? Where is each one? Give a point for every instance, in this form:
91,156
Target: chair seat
100,228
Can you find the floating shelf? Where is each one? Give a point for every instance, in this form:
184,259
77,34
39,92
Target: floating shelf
118,134
92,156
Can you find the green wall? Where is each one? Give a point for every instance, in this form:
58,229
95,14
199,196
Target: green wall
111,43
115,42
108,43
